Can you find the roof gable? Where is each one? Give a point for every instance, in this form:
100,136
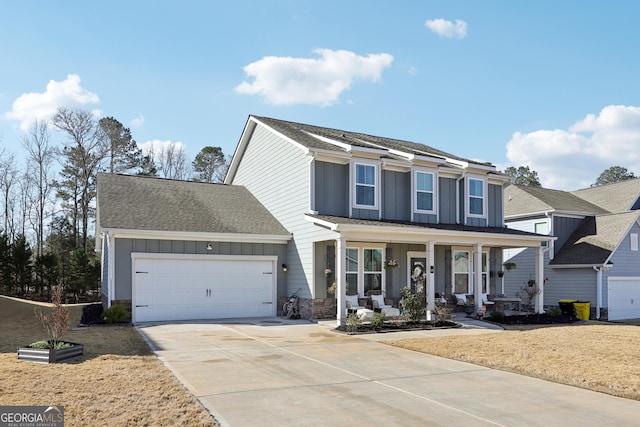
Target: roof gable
341,142
145,203
596,239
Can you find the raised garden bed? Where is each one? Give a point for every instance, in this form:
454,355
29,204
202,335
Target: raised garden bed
367,328
51,355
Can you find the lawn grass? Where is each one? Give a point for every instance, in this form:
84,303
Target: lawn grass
118,381
593,355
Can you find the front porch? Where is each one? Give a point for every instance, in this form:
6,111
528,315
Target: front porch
377,257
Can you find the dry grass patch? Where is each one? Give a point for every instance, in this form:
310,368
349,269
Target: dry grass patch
595,356
118,381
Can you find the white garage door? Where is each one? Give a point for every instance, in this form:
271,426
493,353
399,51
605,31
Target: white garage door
186,288
624,298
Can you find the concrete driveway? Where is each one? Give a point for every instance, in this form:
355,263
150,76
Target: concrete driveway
274,372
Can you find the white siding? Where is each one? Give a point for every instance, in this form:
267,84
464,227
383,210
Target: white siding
277,173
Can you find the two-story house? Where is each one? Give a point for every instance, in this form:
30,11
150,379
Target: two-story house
354,202
596,256
306,210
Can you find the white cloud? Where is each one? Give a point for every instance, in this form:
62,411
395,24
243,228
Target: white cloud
314,81
448,29
573,158
43,105
138,121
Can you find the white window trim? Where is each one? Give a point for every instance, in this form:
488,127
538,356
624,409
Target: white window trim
485,190
453,267
377,186
414,191
634,241
361,247
471,273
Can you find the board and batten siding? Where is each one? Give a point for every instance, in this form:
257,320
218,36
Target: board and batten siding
494,206
396,196
563,228
125,246
277,173
331,189
447,200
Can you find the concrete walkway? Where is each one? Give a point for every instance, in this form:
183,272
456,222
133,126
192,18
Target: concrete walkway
276,372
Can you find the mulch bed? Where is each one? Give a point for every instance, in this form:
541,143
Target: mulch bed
367,328
536,319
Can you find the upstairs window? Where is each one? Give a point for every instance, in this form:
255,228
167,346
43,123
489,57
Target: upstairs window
365,185
424,192
476,197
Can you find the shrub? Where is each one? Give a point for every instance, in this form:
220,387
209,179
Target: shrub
496,316
353,322
553,312
412,304
116,314
91,313
443,313
377,320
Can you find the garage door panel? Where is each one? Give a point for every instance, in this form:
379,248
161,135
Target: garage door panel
623,298
183,289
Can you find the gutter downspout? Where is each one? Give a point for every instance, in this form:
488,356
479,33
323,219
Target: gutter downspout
458,196
599,269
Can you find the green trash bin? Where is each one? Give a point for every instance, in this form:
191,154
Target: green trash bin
583,309
567,307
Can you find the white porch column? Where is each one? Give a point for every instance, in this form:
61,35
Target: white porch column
340,275
430,278
477,276
540,280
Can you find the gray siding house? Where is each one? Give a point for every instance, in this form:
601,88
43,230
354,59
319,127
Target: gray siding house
369,214
317,212
595,256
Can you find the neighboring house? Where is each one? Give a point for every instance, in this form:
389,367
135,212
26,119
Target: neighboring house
595,257
175,250
332,206
354,201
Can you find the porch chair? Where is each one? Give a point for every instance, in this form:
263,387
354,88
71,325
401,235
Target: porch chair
379,304
486,302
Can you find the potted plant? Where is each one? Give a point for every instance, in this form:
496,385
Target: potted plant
390,264
469,307
56,323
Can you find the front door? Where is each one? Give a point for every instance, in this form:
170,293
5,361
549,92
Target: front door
417,272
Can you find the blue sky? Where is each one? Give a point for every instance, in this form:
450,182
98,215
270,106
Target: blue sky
552,85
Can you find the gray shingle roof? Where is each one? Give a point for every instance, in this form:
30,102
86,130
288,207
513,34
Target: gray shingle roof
416,225
615,198
595,239
301,133
145,203
522,200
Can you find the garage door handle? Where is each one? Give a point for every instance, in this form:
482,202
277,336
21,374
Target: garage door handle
267,302
142,306
267,272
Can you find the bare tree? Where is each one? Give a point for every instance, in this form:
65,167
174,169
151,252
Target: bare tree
8,178
172,161
40,155
83,156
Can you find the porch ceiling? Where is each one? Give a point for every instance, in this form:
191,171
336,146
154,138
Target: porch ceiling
408,232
